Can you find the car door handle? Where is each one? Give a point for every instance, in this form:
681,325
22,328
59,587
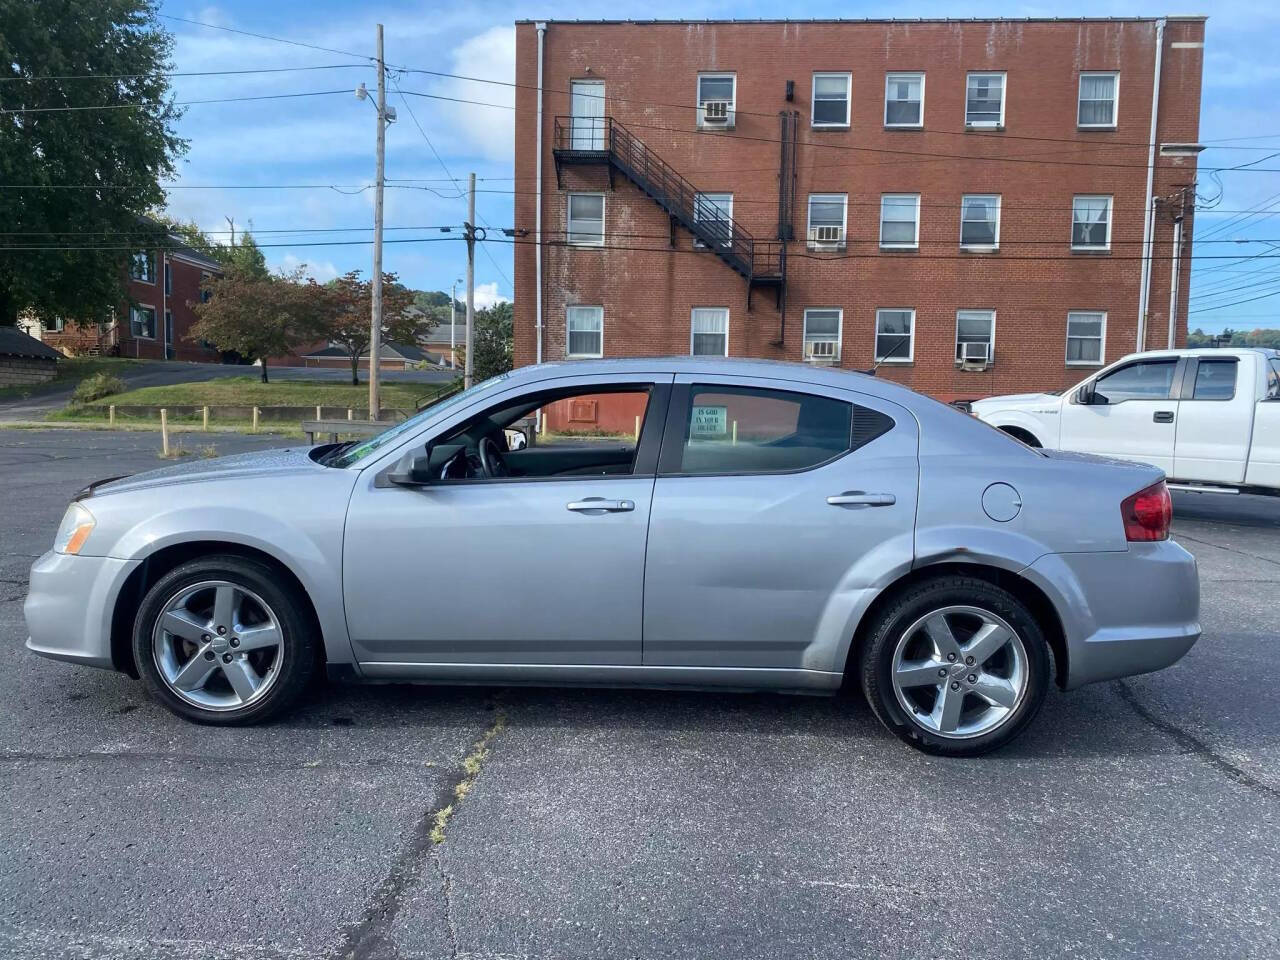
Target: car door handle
601,505
1163,416
856,498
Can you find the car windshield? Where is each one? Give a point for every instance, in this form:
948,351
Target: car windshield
351,455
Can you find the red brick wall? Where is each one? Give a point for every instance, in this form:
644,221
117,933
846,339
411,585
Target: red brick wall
650,74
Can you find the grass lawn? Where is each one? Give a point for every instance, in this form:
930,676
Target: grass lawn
71,370
251,391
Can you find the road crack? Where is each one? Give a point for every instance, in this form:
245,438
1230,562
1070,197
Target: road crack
1195,745
1219,546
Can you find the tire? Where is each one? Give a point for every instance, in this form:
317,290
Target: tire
998,696
253,670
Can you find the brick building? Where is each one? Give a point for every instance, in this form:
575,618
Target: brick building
964,200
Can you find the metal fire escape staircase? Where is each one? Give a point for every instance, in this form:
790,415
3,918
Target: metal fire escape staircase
602,140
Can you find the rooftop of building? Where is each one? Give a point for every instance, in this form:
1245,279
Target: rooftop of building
875,20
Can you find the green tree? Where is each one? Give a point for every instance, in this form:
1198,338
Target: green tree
350,325
492,341
53,154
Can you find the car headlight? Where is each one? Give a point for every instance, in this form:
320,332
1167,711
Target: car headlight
77,524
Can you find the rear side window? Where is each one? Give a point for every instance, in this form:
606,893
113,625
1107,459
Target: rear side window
1273,380
1215,380
1151,380
751,430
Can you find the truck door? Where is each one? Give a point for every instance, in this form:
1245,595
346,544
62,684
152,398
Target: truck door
1215,420
1264,451
1131,415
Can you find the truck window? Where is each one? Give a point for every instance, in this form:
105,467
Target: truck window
1146,380
1215,379
1273,380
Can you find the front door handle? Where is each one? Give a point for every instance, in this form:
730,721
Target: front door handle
600,505
856,498
1163,416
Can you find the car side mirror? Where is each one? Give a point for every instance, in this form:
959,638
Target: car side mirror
1089,397
413,470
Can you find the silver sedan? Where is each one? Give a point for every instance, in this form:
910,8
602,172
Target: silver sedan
712,524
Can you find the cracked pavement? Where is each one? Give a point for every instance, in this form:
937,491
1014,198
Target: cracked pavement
1135,819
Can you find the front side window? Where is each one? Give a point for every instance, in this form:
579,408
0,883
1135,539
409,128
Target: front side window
586,219
1091,223
904,100
710,332
827,212
980,222
1215,379
1098,95
831,92
1086,334
900,220
984,100
142,268
895,335
1146,380
713,212
586,332
822,334
717,99
751,430
975,335
142,322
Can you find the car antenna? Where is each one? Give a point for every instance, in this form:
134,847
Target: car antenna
872,371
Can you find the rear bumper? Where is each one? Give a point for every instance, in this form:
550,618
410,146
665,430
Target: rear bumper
1125,612
69,607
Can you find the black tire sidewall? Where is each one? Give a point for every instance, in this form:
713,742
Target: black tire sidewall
917,601
298,646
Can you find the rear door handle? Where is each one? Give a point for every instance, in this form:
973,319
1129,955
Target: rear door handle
1163,416
600,505
856,498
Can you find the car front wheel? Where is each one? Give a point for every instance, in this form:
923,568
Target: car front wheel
956,666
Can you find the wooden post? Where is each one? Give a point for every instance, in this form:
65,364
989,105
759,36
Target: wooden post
735,433
351,414
164,431
255,419
318,416
111,415
205,415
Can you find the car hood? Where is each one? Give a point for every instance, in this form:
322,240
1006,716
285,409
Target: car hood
239,466
1017,400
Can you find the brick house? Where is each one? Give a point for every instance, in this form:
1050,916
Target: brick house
964,201
155,324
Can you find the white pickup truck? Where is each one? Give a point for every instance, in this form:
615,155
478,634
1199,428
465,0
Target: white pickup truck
1210,419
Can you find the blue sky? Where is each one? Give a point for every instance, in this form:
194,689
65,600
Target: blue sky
328,140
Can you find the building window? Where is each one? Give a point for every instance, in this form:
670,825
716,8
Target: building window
205,292
709,336
717,99
822,334
831,93
904,100
900,220
1086,334
53,324
827,214
142,322
1091,223
586,332
980,222
895,336
586,219
984,100
713,212
1099,93
978,327
168,279
142,268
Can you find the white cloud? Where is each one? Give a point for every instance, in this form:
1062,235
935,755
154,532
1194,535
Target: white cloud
487,295
322,272
487,132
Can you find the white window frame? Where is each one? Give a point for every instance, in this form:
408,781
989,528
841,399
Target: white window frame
888,79
1004,100
804,337
568,330
59,324
699,101
1111,204
155,319
844,221
1115,99
896,245
911,346
1102,338
982,247
151,267
728,212
991,340
568,218
693,311
848,100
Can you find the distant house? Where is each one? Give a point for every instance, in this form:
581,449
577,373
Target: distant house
447,342
391,356
154,325
24,359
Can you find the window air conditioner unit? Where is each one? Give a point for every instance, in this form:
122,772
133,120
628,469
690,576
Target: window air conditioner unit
828,236
715,111
820,350
975,356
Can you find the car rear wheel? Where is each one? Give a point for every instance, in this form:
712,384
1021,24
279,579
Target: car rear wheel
220,640
956,666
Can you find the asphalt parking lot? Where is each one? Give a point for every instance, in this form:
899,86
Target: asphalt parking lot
1139,818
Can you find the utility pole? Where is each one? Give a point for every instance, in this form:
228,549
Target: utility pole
1175,268
375,329
471,280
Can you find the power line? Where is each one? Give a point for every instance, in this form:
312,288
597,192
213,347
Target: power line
166,106
264,36
187,73
1236,303
31,248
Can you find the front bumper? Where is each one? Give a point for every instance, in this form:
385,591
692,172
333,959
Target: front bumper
69,606
1125,612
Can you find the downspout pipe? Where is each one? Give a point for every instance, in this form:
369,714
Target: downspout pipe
537,207
1148,217
1175,279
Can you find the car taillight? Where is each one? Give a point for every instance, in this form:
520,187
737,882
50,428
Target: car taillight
1148,513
